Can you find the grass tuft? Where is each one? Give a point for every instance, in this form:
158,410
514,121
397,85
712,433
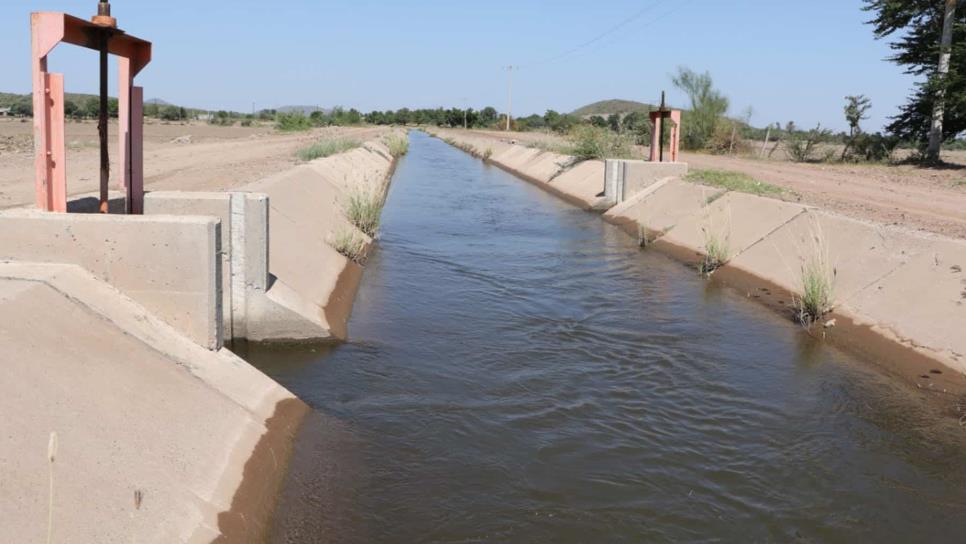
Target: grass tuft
327,147
398,144
716,251
734,181
363,209
351,246
817,277
487,153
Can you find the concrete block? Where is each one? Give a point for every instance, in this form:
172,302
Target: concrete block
661,210
170,265
638,175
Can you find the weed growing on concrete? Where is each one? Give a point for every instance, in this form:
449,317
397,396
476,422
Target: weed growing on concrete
959,183
363,208
817,277
716,251
398,144
327,147
487,153
350,245
734,181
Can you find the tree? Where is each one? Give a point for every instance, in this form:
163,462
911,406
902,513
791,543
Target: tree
855,111
856,108
614,122
708,106
925,47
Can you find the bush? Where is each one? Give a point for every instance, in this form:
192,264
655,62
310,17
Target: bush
871,148
803,146
292,122
589,142
327,147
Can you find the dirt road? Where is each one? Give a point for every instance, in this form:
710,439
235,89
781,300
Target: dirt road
176,156
927,199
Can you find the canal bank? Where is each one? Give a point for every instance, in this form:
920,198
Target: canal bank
770,249
520,371
133,420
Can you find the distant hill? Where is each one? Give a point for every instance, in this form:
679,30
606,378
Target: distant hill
158,102
607,107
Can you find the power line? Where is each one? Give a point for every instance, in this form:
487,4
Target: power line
597,38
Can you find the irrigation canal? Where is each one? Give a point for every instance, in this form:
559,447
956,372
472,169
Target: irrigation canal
521,371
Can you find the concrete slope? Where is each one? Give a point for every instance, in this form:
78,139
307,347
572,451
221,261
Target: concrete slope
158,439
312,285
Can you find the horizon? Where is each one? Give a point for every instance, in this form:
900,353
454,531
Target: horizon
561,61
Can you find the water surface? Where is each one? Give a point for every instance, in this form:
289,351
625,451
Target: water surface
520,371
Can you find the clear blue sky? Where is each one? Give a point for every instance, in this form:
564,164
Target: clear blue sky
788,59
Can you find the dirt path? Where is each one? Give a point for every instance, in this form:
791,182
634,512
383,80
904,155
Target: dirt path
189,157
918,198
927,199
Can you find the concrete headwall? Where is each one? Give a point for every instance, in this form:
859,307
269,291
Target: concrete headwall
244,245
906,288
168,264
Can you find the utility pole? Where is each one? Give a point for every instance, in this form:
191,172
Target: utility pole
509,95
939,101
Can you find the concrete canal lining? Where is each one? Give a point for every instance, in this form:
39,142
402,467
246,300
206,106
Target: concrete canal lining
117,348
906,288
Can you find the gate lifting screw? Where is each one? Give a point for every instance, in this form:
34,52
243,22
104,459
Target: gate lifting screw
103,17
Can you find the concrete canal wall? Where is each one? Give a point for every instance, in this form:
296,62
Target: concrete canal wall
898,296
112,339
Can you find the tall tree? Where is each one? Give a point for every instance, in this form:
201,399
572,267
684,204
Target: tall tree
926,47
708,106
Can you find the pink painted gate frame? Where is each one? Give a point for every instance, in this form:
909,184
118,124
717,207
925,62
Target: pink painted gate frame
48,29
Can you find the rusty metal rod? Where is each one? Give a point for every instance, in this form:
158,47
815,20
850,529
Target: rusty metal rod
660,138
102,122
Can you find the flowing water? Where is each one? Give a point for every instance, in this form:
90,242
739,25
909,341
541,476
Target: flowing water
520,371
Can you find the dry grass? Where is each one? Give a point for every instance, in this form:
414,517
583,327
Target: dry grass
364,207
398,144
350,245
327,147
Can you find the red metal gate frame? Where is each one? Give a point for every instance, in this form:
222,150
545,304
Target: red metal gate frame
48,29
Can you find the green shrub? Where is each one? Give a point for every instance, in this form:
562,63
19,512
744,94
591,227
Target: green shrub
870,148
292,122
588,142
398,144
327,147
